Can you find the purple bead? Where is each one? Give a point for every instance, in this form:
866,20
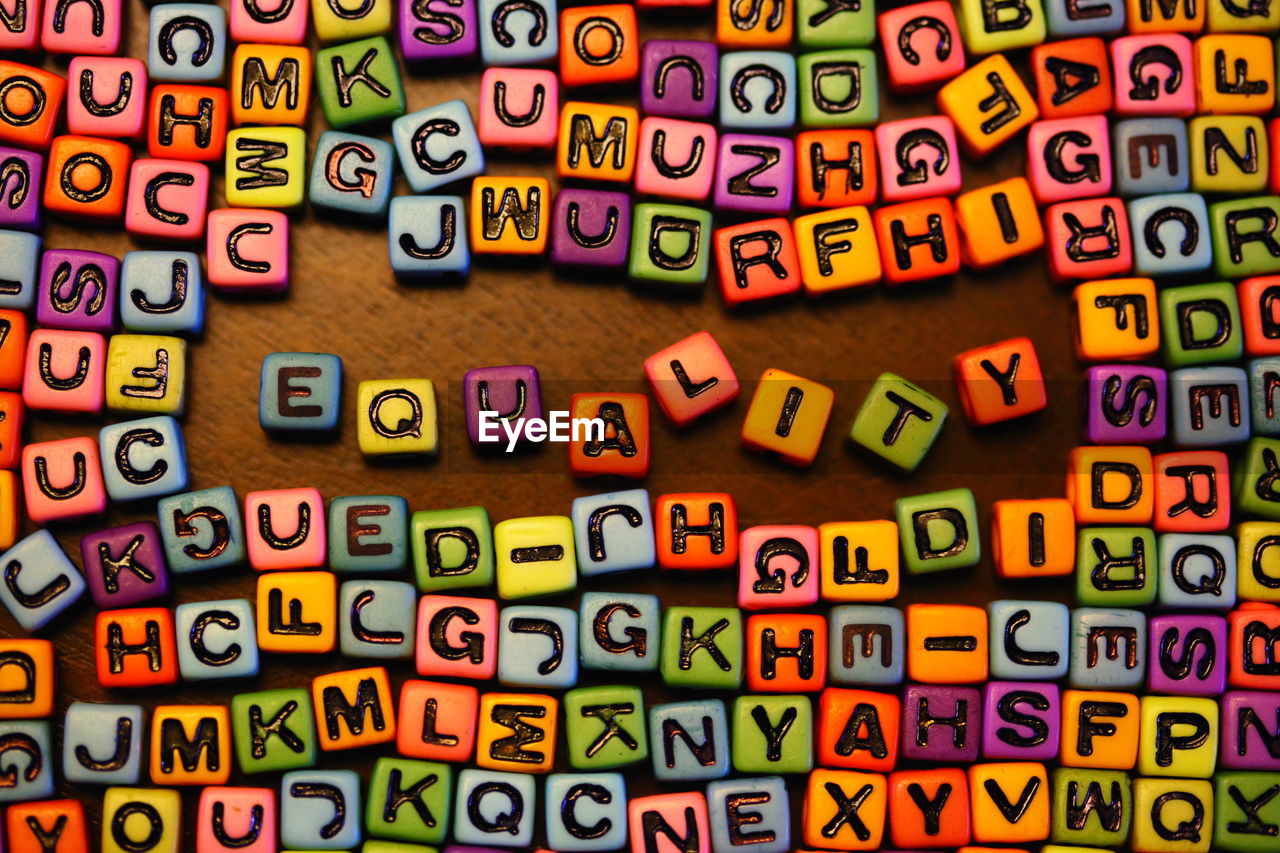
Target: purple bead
1021,720
679,78
1187,655
78,290
1246,715
955,732
755,174
437,29
1125,404
21,179
125,565
511,391
590,229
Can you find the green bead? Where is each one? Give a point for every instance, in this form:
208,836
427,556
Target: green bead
838,88
786,747
702,647
1257,479
605,727
359,102
1244,239
1115,566
899,421
939,531
669,245
273,730
1236,830
1071,785
821,24
1200,324
392,808
376,846
452,548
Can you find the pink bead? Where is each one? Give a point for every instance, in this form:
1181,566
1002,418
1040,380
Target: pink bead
918,158
62,479
1143,67
236,819
1087,239
65,371
691,378
934,31
247,250
1069,158
284,529
26,36
677,158
777,567
107,97
519,108
673,810
167,200
269,21
470,637
82,26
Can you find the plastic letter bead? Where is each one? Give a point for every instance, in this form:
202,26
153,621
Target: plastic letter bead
1100,729
946,644
605,727
109,98
270,84
30,825
1108,648
519,109
28,744
1117,320
947,821
756,260
1247,729
236,819
990,27
1251,628
1179,737
522,203
836,250
300,391
591,230
697,530
1033,538
266,167
1210,406
437,30
918,240
676,158
859,560
218,639
787,416
190,745
938,531
285,529
786,653
613,532
369,533
858,729
1069,158
757,90
44,582
772,734
941,723
1256,568
993,786
320,809
921,45
1073,77
899,421
690,740
619,632
518,33
62,479
148,458
64,371
1180,640
188,42
29,685
296,612
338,22
1111,485
1000,381
537,647
835,168
493,808
1248,88
1228,154
837,88
437,721
1030,640
86,178
162,292
517,731
702,647
534,556
21,208
757,809
166,200
679,78
918,158
459,637
1193,492
146,373
397,417
1150,155
201,530
353,709
1169,235
438,146
1114,566
624,446
21,30
359,83
247,251
601,45
125,565
755,174
1088,239
1021,720
102,744
409,800
868,645
427,238
187,122
274,730
1258,314
1202,323
78,290
691,378
141,817
669,246
29,119
1244,240
352,174
377,619
452,548
989,104
844,808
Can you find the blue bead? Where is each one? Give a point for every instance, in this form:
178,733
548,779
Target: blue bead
438,146
537,646
630,621
1210,406
594,800
495,809
368,533
40,581
1068,19
1197,571
1105,641
518,32
312,800
162,293
428,237
1028,640
30,765
201,530
216,639
376,619
765,811
755,92
881,665
613,532
93,735
1264,382
352,174
677,728
19,266
1170,234
300,391
188,43
143,458
1135,141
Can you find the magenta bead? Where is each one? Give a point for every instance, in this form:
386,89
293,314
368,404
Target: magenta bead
78,290
590,229
679,79
449,33
1119,407
118,562
1005,732
944,742
1187,654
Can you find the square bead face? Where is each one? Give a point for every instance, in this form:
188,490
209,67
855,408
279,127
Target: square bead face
135,648
148,456
537,647
82,28
125,565
786,653
460,637
757,90
787,416
21,32
365,102
285,529
65,371
296,612
755,174
989,104
351,174
428,237
1069,158
1170,236
1150,156
837,88
918,158
1263,376
368,533
509,215
525,34
437,721
673,760
601,45
377,619
202,530
397,417
835,168
675,158
1242,803
483,797
857,729
19,262
702,647
248,250
1188,655
947,644
437,30
613,532
1251,89
452,548
44,583
300,391
1193,495
1197,571
918,240
773,734
508,392
1000,381
289,744
25,171
187,122
921,44
174,728
78,290
86,178
836,250
333,22
1179,737
1115,566
45,92
102,744
1153,75
1228,155
1029,640
1073,78
188,43
1209,406
621,446
691,378
311,821
590,229
163,830
597,142
1088,17
438,146
283,23
859,560
777,567
237,818
868,645
1021,720
898,421
1242,241
679,78
503,715
216,639
1126,404
1247,725
266,167
597,801
519,108
824,794
534,556
941,724
62,479
162,292
146,373
606,727
669,246
619,631
167,199
368,692
1108,648
938,531
108,98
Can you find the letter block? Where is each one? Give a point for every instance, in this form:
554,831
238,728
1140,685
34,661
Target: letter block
1244,240
437,31
273,730
110,96
1228,154
836,250
333,22
669,246
537,647
1100,729
64,371
270,84
755,173
86,178
457,637
27,679
21,210
679,78
778,567
772,734
1113,566
236,819
899,421
31,106
1249,734
1209,406
1009,802
921,45
1197,571
217,640
691,378
187,43
1069,158
787,417
1127,404
21,29
492,808
1248,87
597,142
756,261
845,808
352,175
691,740
858,729
1108,648
370,534
918,240
1021,720
519,109
835,168
939,807
1111,485
837,88
62,480
989,104
299,391
31,825
353,709
1029,640
676,158
786,653
938,531
947,644
377,619
613,532
1153,75
1179,737
320,809
247,251
997,223
146,374
601,45
150,818
266,167
517,732
757,810
452,548
1150,155
41,582
522,202
591,230
190,745
296,612
918,158
621,447
1259,316
1117,320
697,530
1188,654
166,200
1256,568
1192,492
941,724
409,800
619,632
201,530
605,727
1072,77
867,643
125,565
426,239
438,146
1000,381
518,33
359,83
1167,235
1088,239
162,292
702,647
270,514
436,721
78,290
1244,811
757,90
1254,628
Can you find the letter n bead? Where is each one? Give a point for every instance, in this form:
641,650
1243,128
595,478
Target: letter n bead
1000,381
188,42
679,78
248,250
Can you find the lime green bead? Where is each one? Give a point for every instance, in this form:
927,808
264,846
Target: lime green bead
1115,566
1256,479
375,846
1111,788
452,548
838,88
273,730
988,27
899,421
938,531
391,778
1245,238
377,94
605,727
789,720
1238,831
266,167
1200,324
702,647
820,24
670,246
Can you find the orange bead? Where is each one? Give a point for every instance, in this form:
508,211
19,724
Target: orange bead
1192,492
1099,729
32,827
918,240
757,260
30,104
135,647
354,708
270,84
858,729
829,800
998,222
87,178
599,45
1111,485
190,745
517,732
1000,381
836,168
1072,77
14,329
696,530
989,104
12,414
1034,538
437,721
929,808
597,142
26,679
946,644
754,23
786,653
187,122
621,447
1009,801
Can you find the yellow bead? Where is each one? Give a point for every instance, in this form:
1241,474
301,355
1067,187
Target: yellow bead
509,215
1235,74
1258,561
1179,737
1224,17
989,104
1099,729
517,732
354,708
1117,320
1180,16
190,745
535,556
990,27
837,249
822,825
10,523
597,142
859,560
266,167
397,417
1023,782
26,679
270,84
788,416
1229,154
147,819
146,373
348,20
1164,807
297,612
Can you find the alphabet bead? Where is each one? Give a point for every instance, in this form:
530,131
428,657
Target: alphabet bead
994,788
517,732
162,291
9,515
33,663
14,331
1243,811
838,88
1228,154
1243,230
1253,628
1033,538
899,421
431,32
697,530
21,31
1030,640
43,581
300,391
62,479
988,29
377,619
352,175
286,24
28,120
679,78
754,174
452,548
836,250
19,261
1209,406
787,416
334,22
1248,88
941,724
12,415
1258,316
1167,235
1072,77
1151,156
149,456
236,819
690,740
460,637
201,530
1117,320
427,160
766,823
918,158
437,721
702,647
354,709
359,83
514,33
534,556
591,229
160,823
756,260
988,103
296,612
320,809
84,28
489,803
676,158
844,807
601,45
86,178
1253,492
933,816
605,727
938,531
65,371
1179,737
102,744
1191,659
135,648
1247,729
1100,729
274,731
21,209
835,167
778,567
187,122
1021,720
266,167
946,644
522,202
623,449
619,632
427,239
756,90
125,565
772,734
167,200
519,108
786,653
613,532
299,511
32,777
1000,381
1153,75
1070,158
919,62
218,640
1256,565
1111,485
868,645
109,98
247,251
597,142
874,575
31,824
546,656
146,373
669,246
751,27
1108,648
89,303
369,533
918,240
187,43
1207,321
691,378
1113,566
858,729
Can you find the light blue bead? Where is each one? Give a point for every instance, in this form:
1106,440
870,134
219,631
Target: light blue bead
1199,421
1113,639
162,293
1170,234
188,43
19,266
201,530
630,621
143,458
102,744
757,91
27,758
438,146
1264,395
873,663
376,619
518,32
1028,640
590,804
1089,18
613,532
1134,142
427,237
504,810
314,383
40,581
755,819
216,639
538,646
676,729
320,809
1197,571
351,522
363,170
